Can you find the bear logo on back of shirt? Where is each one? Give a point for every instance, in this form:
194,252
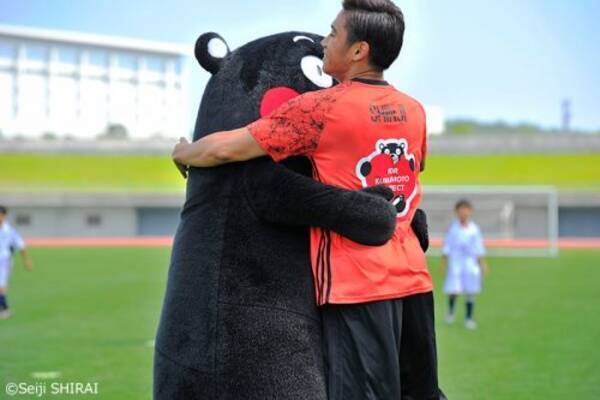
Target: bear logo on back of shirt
392,165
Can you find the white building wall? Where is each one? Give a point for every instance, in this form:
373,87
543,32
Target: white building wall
77,88
436,120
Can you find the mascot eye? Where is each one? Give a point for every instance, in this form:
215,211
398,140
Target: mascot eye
302,37
397,151
312,67
387,151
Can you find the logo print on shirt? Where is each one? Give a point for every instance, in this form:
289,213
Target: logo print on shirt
393,166
387,113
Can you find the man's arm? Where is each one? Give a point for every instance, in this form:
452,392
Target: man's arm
293,129
217,148
445,251
483,265
480,251
26,259
443,263
17,243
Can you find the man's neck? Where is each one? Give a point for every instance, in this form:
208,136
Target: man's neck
362,73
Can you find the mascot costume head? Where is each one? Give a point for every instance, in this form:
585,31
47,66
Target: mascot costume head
239,318
256,78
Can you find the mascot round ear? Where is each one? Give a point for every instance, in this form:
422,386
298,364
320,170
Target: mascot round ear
211,50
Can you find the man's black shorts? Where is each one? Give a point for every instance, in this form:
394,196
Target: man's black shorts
381,350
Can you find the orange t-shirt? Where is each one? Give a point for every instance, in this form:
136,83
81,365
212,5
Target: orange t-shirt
359,133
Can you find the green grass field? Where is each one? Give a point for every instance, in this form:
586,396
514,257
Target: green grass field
90,314
154,173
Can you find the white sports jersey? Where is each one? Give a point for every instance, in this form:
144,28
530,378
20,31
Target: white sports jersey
463,246
9,239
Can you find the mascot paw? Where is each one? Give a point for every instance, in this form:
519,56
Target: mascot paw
420,228
380,190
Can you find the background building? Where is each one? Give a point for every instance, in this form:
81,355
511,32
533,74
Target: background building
436,120
79,85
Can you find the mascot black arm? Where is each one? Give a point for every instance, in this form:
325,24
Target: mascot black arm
280,195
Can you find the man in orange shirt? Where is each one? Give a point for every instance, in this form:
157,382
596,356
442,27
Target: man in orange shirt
377,303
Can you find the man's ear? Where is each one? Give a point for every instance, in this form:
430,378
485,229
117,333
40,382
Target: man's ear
361,51
211,49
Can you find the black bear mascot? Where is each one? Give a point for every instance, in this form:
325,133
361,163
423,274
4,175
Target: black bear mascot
239,319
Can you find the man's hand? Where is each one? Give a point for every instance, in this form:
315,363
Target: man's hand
178,156
216,149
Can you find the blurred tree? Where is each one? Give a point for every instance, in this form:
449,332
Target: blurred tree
49,136
115,132
466,127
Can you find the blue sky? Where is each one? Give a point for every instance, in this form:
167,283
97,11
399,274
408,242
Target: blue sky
511,60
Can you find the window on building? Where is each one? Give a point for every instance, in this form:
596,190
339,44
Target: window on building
126,61
178,66
23,220
7,99
94,220
7,50
36,52
67,55
98,58
155,64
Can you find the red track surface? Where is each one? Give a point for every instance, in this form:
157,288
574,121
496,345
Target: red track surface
138,241
157,241
564,243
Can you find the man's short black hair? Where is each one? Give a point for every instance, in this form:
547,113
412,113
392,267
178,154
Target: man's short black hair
463,203
3,210
379,23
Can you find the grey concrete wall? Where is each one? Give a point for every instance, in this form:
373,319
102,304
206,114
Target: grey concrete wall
442,144
500,215
514,144
580,222
74,221
157,221
93,214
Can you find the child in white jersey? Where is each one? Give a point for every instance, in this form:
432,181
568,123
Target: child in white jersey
10,241
463,255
